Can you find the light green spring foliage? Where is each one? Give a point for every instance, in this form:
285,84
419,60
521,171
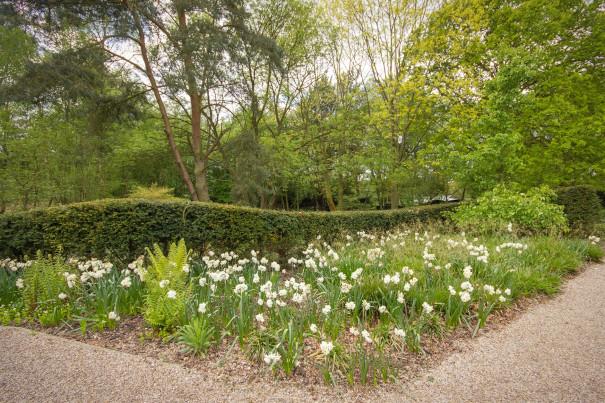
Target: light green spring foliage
532,212
168,290
154,191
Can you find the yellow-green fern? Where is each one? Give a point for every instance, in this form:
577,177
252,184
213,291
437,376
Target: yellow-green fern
168,287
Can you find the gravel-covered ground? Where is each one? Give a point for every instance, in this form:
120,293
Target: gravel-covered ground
553,352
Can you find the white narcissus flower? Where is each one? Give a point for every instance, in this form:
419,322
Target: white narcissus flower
171,294
467,272
400,297
260,318
467,286
382,309
387,279
126,282
399,332
62,296
354,331
366,336
202,307
19,283
113,316
501,298
202,281
313,328
465,296
350,305
507,291
489,289
451,290
427,308
326,309
365,305
326,347
272,358
356,274
240,288
164,283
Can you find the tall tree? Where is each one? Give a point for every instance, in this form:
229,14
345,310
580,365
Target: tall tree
384,33
179,49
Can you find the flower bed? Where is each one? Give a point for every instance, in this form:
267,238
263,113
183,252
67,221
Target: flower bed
344,311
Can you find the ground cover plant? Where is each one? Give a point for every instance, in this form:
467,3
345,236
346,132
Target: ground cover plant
345,309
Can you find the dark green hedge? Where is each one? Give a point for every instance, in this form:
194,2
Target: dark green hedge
582,206
125,227
601,194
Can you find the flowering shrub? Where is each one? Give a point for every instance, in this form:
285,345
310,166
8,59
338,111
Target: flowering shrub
502,209
345,309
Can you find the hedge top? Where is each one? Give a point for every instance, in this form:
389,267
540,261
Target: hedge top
124,227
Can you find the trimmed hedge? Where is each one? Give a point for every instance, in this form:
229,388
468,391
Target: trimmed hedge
124,227
601,194
582,206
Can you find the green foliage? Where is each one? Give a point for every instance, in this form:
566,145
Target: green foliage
529,213
126,227
582,207
168,290
43,282
197,336
8,289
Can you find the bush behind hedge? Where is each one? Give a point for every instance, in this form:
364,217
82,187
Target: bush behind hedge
124,227
582,207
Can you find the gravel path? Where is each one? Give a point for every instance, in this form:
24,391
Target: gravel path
553,352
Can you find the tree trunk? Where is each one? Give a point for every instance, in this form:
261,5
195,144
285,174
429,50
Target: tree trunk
201,181
328,196
200,159
394,196
163,112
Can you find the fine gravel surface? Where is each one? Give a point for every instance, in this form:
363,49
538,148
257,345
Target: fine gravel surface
553,352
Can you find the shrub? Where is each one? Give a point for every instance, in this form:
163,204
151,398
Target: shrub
582,207
529,213
125,227
153,192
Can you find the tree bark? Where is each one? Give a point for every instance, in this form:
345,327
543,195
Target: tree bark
201,180
200,159
328,196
